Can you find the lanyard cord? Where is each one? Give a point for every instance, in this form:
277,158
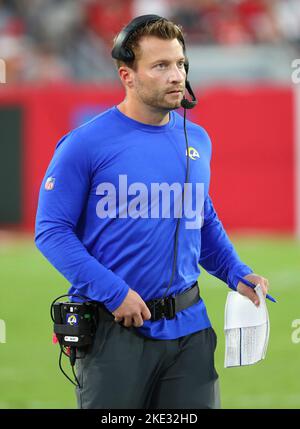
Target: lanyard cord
182,206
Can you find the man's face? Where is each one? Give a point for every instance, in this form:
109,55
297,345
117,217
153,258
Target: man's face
159,79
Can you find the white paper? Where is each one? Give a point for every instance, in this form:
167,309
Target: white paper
246,328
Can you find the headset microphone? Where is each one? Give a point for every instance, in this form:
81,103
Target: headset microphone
185,103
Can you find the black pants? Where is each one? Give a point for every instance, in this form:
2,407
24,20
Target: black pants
127,370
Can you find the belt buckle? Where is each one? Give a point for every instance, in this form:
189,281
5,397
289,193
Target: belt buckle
164,308
169,308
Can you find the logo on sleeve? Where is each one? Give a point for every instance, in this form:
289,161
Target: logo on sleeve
193,153
49,185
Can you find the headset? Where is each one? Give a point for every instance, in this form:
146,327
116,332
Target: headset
123,53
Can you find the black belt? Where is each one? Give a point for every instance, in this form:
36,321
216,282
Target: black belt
168,307
163,308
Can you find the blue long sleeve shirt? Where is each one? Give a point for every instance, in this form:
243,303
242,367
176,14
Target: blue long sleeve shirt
106,220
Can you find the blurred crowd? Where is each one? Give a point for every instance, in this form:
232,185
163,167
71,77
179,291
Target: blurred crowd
62,40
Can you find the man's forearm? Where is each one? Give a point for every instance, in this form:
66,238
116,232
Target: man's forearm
218,255
66,253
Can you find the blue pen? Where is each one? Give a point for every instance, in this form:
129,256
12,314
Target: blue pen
246,282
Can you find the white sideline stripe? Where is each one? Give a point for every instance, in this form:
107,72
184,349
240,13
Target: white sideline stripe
297,157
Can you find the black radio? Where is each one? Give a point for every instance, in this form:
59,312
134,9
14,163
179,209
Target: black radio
75,325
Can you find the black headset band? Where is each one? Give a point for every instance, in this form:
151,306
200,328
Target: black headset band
120,51
124,35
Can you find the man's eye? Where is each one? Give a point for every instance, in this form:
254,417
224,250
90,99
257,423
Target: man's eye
163,65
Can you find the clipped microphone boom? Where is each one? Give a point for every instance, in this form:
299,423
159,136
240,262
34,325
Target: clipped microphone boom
189,104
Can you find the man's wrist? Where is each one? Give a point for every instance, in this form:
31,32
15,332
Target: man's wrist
233,277
117,300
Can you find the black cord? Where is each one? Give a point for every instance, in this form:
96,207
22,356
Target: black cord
66,375
63,296
73,370
178,220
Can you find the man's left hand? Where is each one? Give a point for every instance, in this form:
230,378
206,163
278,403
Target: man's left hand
250,293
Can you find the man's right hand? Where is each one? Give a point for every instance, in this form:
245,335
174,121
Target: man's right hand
133,310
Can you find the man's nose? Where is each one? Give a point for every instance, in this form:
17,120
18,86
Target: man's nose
176,75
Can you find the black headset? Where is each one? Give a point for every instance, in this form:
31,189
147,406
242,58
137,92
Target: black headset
123,53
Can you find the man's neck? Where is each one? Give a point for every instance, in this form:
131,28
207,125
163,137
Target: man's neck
144,114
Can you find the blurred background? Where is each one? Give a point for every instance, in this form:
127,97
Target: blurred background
59,74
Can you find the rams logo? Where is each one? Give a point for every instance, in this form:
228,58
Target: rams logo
193,153
72,319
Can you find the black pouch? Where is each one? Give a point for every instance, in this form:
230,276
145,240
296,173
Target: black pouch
75,323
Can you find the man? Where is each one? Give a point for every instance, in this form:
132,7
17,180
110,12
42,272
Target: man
101,224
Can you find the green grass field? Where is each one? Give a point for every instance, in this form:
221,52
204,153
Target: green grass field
29,374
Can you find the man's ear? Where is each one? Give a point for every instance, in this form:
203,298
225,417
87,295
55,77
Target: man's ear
126,75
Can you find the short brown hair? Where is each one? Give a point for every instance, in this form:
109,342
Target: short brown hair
162,28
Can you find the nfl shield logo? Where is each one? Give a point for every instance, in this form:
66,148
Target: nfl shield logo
49,185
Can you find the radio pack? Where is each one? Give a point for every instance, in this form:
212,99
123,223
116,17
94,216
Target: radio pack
75,323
